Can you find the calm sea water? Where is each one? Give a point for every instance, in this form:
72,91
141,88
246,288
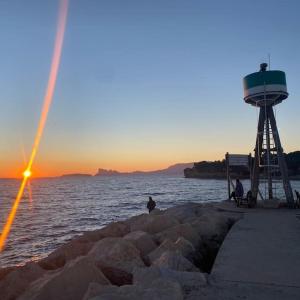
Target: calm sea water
64,207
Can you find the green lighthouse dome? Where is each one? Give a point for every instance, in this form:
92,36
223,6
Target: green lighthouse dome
265,87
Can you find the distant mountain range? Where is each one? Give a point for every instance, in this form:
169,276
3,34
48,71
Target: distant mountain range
176,169
203,169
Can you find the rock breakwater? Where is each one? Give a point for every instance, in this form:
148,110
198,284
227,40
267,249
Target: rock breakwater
162,255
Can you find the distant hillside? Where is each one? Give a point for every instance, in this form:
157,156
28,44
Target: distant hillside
214,170
217,169
176,169
293,163
75,175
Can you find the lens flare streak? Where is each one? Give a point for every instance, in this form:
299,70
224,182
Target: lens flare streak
28,182
62,18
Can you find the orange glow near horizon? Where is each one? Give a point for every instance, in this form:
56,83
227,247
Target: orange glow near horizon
63,10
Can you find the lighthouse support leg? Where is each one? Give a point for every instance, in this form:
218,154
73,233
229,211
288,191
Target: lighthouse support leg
281,161
257,155
268,152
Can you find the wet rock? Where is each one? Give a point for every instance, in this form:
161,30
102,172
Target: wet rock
152,223
174,261
69,283
18,280
142,241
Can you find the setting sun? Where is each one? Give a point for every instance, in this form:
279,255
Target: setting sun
27,173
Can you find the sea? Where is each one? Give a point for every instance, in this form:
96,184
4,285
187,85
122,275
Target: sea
54,210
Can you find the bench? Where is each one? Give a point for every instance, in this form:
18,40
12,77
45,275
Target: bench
249,201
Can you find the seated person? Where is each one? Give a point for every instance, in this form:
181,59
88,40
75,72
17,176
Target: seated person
239,189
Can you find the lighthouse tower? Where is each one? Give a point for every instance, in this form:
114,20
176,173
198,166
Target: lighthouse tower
265,89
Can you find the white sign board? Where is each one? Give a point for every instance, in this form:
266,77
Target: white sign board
238,160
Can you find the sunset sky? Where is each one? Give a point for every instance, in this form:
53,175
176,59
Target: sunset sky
141,84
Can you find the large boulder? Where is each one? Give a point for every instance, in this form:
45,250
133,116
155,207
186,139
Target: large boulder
182,246
81,245
69,283
162,289
183,212
6,270
212,225
151,223
18,280
142,241
157,211
93,290
187,280
183,230
116,257
114,229
174,261
59,257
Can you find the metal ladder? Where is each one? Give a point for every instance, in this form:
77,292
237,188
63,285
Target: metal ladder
269,161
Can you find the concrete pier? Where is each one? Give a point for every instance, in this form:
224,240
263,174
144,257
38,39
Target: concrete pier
259,259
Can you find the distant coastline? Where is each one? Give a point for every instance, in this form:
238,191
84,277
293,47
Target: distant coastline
177,169
75,175
217,169
200,170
